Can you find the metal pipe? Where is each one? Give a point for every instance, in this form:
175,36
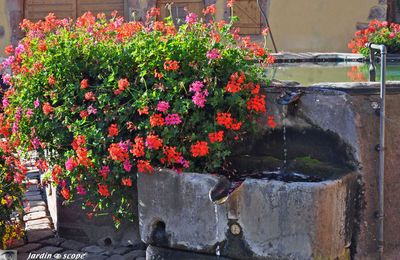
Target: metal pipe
381,173
372,68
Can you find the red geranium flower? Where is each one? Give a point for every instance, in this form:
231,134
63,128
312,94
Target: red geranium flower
84,83
199,149
216,136
103,190
171,65
113,130
127,182
47,108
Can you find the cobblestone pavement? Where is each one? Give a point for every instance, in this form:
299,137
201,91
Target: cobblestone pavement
41,240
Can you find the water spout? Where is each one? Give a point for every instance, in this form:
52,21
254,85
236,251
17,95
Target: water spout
220,193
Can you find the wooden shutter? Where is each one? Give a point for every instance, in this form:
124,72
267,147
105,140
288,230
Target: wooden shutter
38,9
100,6
249,16
178,8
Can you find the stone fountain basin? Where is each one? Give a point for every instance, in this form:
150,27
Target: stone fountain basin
276,220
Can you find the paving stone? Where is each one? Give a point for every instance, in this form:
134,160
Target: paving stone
33,187
93,249
116,257
37,235
73,252
34,198
17,243
139,246
95,257
36,209
34,203
121,250
34,215
49,250
33,193
33,181
39,221
38,227
54,241
28,247
22,256
134,254
140,258
72,244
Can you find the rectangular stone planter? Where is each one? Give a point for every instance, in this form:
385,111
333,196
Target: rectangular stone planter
71,222
262,220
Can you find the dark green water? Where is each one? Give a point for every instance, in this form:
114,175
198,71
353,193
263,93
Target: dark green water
311,73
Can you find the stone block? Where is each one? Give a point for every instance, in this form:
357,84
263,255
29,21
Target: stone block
38,235
35,215
274,219
49,250
55,241
134,254
72,245
93,249
28,248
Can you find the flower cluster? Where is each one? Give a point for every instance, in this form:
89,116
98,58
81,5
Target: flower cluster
112,99
378,32
12,174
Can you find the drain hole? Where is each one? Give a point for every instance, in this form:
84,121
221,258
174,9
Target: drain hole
159,235
107,241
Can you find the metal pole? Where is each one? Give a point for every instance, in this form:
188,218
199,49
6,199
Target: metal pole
381,180
372,68
381,173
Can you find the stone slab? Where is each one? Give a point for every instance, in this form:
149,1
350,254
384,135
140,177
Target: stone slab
49,250
121,250
73,245
36,209
34,198
34,203
36,227
35,215
134,254
28,247
169,254
38,235
54,241
93,249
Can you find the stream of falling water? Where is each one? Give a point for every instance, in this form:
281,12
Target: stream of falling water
284,138
217,250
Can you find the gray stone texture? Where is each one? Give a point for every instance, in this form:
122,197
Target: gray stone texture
73,245
37,235
278,220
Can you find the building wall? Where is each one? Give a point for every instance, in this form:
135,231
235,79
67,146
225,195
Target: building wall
320,25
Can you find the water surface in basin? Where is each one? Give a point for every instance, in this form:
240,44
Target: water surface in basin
311,73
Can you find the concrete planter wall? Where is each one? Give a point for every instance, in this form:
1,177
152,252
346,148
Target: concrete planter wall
262,220
71,222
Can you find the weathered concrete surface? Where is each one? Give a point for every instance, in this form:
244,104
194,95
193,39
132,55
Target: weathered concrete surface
72,222
278,220
181,202
347,110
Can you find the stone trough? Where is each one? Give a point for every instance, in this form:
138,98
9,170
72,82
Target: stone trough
333,217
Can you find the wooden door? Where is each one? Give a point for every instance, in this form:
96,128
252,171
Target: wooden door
35,10
100,6
249,16
38,9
